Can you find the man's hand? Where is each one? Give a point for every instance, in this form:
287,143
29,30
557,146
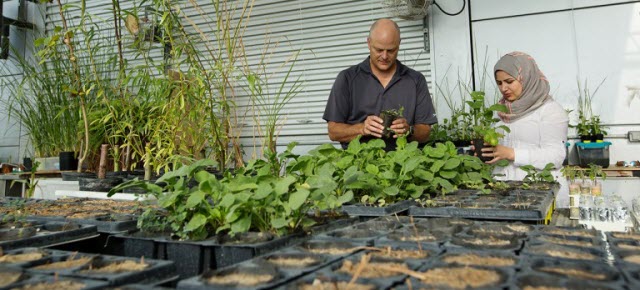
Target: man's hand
373,126
400,126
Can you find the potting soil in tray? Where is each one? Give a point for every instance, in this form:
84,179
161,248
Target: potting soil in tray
464,257
524,206
459,277
241,276
38,234
512,243
39,282
109,216
112,269
404,251
558,252
249,245
592,271
330,247
366,210
321,280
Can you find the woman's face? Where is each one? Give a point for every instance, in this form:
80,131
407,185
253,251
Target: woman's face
510,87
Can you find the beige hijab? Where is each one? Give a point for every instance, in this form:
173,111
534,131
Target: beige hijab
535,87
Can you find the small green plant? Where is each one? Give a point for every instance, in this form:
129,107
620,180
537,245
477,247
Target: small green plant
484,119
32,183
571,173
596,171
535,176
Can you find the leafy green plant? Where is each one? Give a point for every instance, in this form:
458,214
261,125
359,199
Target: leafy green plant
483,119
571,172
537,176
596,171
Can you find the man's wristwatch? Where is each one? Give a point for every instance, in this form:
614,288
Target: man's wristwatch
410,132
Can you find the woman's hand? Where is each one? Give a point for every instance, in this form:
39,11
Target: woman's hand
498,153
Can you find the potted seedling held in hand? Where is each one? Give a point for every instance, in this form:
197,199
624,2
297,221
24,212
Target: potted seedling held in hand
483,121
388,116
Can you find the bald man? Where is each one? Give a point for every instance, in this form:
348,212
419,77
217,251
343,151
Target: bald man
377,84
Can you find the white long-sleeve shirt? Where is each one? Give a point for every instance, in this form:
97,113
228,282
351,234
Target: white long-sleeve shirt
537,139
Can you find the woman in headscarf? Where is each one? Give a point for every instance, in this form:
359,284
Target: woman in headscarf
538,124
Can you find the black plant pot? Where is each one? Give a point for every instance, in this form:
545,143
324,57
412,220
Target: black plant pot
27,163
585,138
598,137
68,161
387,120
478,144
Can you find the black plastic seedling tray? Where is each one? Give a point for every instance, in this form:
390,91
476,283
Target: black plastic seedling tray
510,208
41,234
55,282
371,211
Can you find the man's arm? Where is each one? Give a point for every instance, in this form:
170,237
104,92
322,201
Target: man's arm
343,132
420,133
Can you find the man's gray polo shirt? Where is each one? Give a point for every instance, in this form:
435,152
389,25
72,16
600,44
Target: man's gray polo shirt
357,93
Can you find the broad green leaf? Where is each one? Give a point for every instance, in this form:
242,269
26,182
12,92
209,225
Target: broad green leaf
264,190
436,166
197,221
447,174
391,190
451,164
195,198
411,164
423,174
282,185
241,225
322,184
227,200
346,197
279,222
298,198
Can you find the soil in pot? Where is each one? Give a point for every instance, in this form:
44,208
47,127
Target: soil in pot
566,242
407,235
566,232
9,277
241,276
622,235
293,260
472,259
373,269
65,284
66,264
536,282
329,247
399,254
572,272
461,277
22,257
563,252
116,267
485,242
500,229
632,259
334,285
